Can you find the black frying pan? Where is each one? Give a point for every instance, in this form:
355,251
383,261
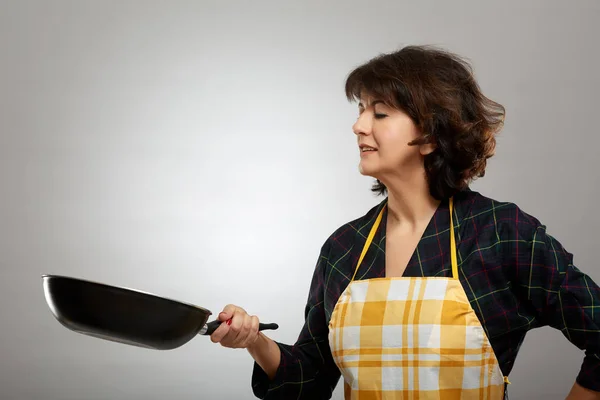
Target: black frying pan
126,316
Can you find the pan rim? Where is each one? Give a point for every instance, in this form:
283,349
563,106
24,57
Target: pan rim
46,277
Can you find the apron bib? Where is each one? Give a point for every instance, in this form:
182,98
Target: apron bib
412,338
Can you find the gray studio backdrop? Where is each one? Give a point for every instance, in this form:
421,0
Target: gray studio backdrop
203,151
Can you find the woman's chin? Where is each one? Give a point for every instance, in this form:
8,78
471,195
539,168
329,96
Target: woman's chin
365,170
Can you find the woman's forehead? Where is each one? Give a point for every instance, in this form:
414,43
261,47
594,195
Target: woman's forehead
370,101
367,99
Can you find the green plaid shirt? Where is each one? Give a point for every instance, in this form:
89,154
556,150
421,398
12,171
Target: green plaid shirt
516,275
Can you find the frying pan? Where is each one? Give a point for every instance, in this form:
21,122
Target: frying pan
126,316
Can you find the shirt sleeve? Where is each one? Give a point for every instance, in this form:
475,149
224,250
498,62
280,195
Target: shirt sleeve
566,299
306,369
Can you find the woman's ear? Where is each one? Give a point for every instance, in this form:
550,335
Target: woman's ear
427,144
427,148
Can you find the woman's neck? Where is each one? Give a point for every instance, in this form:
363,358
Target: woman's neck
410,203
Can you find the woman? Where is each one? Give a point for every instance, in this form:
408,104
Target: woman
432,290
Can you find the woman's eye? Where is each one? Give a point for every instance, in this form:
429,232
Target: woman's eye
380,116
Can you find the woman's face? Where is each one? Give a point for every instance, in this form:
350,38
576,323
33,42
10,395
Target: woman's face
383,135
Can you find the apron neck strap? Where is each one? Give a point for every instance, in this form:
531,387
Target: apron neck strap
453,256
369,240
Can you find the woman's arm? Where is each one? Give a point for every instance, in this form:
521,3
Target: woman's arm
566,299
304,370
266,353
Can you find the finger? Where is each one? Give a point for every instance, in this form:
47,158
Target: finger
235,327
220,333
244,331
227,312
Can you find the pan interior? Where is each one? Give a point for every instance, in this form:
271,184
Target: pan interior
122,315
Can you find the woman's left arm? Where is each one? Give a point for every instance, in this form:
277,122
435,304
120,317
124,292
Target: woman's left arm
571,304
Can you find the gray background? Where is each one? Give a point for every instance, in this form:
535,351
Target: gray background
203,151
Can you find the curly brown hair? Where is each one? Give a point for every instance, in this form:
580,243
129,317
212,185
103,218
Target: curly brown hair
437,89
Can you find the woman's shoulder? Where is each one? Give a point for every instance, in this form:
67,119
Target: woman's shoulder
504,216
345,235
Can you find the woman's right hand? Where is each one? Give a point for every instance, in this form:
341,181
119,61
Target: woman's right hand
238,330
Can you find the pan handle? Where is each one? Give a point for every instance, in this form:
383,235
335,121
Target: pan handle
210,327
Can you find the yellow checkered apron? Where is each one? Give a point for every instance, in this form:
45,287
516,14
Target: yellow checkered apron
412,338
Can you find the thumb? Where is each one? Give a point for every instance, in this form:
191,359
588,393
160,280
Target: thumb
227,313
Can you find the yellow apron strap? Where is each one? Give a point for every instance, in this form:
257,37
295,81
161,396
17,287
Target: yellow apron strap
369,240
453,256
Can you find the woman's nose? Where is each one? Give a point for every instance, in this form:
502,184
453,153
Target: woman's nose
362,126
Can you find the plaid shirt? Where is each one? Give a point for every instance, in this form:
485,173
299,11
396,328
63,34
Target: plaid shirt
516,276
